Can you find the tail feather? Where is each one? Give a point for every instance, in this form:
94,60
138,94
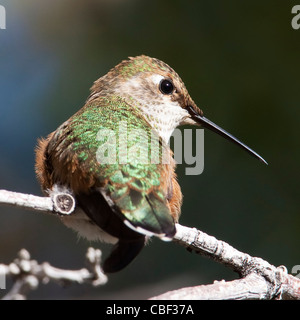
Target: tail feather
122,254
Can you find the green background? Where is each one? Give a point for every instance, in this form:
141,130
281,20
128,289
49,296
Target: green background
240,61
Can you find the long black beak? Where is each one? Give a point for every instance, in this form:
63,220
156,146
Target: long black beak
215,128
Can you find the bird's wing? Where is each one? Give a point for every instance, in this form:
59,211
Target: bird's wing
88,153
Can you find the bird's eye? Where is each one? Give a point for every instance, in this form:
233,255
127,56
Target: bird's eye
166,86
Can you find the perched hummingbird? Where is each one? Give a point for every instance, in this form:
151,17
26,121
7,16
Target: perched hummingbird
122,202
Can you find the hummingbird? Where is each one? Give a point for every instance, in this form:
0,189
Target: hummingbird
123,202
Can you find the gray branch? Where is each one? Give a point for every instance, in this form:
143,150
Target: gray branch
61,203
258,278
251,287
28,274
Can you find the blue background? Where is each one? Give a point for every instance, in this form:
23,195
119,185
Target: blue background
240,63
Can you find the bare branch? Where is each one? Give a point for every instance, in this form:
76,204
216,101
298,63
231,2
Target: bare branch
259,279
250,287
220,251
28,274
26,201
61,203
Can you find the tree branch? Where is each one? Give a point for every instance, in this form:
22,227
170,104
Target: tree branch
259,279
58,202
28,274
251,287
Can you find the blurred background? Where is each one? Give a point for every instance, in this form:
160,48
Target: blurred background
240,63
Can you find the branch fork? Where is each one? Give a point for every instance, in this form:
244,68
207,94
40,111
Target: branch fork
28,274
258,278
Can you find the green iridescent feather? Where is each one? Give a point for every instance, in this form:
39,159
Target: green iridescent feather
133,187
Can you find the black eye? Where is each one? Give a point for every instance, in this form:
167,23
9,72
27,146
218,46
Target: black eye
166,86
